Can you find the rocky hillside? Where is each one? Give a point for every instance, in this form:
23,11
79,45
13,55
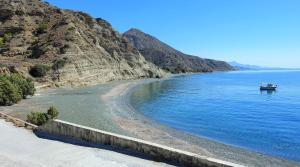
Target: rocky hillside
69,46
169,58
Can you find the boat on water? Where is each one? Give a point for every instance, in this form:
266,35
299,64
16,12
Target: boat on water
268,86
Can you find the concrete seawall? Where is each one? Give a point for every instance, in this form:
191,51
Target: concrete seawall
18,122
159,152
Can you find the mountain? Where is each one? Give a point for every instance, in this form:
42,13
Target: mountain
75,48
239,66
169,58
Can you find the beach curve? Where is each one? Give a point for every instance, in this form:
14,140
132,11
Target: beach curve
137,125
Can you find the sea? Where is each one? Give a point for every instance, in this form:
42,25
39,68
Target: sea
228,107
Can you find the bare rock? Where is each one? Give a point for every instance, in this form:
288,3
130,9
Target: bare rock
43,34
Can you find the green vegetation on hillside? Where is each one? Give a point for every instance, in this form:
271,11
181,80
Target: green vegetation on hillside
4,39
2,42
37,51
13,88
42,28
58,64
7,36
39,70
25,85
9,94
38,118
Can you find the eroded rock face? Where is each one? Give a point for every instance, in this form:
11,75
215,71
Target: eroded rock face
169,58
5,14
36,32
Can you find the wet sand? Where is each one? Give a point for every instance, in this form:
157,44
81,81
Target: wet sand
135,124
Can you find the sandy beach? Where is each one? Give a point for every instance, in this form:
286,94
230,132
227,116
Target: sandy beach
114,113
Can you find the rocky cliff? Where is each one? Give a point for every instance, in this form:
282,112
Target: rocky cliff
77,48
169,58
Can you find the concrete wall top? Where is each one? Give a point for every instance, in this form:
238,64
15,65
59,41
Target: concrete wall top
204,158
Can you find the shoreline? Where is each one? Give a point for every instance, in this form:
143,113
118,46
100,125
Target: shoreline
134,123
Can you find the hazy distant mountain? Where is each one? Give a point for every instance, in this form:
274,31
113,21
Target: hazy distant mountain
239,66
169,58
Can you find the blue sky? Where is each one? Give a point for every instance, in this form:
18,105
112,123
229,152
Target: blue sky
260,32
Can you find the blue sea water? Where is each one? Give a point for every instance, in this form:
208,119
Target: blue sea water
228,107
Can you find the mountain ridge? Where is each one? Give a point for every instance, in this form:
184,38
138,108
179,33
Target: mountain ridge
74,48
170,59
239,66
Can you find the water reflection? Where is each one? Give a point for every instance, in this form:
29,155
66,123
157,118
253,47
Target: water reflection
269,92
229,108
149,91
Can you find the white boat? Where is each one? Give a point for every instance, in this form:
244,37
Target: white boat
269,86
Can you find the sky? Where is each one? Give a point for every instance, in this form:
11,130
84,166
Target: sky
258,32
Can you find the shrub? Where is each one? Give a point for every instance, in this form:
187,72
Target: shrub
3,65
87,18
52,112
36,41
42,28
25,86
37,51
13,88
2,42
9,93
58,64
71,28
39,70
38,118
4,39
7,36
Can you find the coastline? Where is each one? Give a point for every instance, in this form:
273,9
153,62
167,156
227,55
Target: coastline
123,118
135,124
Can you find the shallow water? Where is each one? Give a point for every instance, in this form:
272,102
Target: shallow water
229,108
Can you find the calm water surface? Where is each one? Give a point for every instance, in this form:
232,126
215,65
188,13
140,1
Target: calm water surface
229,108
